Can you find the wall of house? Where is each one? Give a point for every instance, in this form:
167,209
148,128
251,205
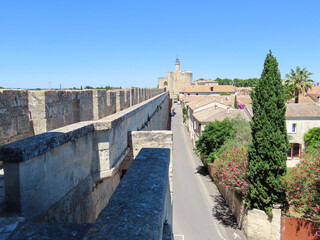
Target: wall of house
26,113
302,127
70,173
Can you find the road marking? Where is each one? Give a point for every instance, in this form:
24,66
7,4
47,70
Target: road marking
178,235
200,180
235,236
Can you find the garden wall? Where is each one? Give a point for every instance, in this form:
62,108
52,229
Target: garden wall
255,223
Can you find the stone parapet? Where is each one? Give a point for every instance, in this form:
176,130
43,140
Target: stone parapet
141,206
14,116
70,173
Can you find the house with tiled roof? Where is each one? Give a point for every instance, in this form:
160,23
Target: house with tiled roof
300,117
201,112
206,90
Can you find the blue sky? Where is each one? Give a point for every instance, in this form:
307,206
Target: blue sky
132,43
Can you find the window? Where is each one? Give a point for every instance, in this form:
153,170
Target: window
294,126
211,89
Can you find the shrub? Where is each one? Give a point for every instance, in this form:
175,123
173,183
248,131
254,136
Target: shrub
213,137
231,168
303,186
312,138
242,137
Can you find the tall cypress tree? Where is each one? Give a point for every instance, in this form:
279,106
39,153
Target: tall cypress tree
268,151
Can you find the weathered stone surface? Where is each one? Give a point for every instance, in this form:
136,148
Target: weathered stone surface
14,116
26,113
69,174
58,231
37,145
135,211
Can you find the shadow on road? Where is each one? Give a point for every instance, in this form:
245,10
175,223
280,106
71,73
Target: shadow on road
202,170
222,213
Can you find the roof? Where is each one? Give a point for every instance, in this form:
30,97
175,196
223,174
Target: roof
314,93
302,110
226,100
219,114
204,81
199,103
190,98
296,110
207,88
302,100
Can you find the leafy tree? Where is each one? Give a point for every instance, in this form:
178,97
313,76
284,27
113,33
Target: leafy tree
312,138
268,151
213,137
299,82
241,138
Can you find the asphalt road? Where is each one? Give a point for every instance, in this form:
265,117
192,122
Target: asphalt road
199,212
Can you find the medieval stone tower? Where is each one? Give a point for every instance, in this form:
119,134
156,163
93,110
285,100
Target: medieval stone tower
176,80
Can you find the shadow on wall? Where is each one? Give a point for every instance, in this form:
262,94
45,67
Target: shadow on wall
222,212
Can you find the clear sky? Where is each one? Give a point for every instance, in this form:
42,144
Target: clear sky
132,43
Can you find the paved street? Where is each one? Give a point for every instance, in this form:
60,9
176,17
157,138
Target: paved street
199,212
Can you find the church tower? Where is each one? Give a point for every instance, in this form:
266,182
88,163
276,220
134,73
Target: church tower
177,64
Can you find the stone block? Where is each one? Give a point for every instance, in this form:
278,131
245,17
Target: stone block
23,124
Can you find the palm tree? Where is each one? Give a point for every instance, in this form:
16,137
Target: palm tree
299,81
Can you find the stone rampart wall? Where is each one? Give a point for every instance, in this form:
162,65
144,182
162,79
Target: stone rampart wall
14,116
69,174
27,113
140,208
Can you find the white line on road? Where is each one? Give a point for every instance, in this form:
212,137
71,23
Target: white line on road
178,235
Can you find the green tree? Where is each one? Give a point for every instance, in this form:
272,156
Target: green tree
184,114
213,137
235,102
312,138
299,82
268,152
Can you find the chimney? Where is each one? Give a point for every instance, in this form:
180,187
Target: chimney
318,101
228,110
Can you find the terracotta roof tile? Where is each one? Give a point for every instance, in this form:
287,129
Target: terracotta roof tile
219,114
207,88
298,110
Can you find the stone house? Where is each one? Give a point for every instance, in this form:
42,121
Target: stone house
299,119
206,90
202,112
